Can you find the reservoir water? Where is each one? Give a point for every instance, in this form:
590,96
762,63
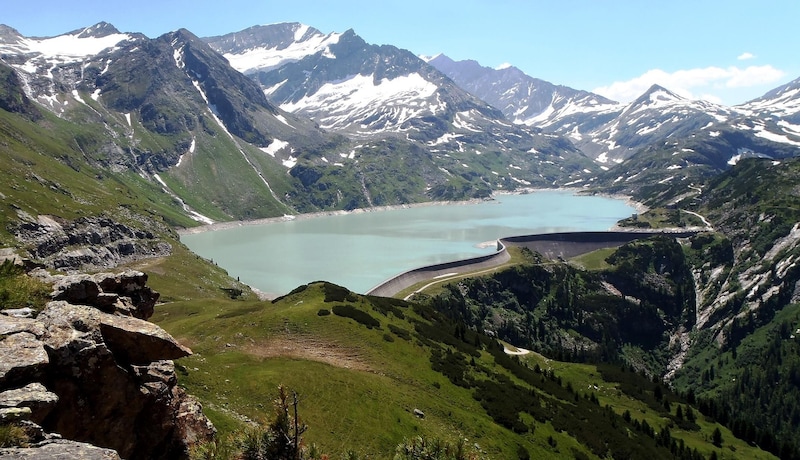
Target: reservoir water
359,250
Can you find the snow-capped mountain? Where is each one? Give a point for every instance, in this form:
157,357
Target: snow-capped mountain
345,84
522,98
372,92
308,121
610,132
174,111
672,143
656,115
263,48
782,103
44,63
166,106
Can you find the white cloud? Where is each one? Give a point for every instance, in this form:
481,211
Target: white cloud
503,66
691,83
745,56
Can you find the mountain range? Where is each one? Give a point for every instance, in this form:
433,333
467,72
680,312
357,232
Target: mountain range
110,141
358,125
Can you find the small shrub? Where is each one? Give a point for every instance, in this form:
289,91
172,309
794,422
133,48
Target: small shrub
400,332
323,312
233,293
388,337
386,305
334,293
12,435
421,448
18,290
348,311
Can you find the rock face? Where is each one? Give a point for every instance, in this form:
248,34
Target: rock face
86,243
90,368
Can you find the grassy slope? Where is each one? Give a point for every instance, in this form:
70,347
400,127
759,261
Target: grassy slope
357,389
46,172
359,386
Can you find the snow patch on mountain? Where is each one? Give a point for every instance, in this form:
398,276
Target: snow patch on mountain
444,139
462,121
355,97
67,48
41,55
761,131
274,147
266,58
781,104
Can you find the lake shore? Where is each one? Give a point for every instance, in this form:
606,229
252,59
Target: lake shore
640,208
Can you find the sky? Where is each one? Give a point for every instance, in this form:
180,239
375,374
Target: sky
723,51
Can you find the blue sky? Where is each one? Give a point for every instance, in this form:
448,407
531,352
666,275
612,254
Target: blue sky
724,51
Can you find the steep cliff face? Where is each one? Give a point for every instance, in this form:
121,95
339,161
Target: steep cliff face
91,368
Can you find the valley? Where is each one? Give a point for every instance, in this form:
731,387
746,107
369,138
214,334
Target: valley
114,144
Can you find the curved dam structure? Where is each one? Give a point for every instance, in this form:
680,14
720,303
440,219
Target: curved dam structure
551,245
404,280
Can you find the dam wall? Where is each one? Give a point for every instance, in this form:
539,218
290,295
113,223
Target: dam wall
551,245
570,244
407,279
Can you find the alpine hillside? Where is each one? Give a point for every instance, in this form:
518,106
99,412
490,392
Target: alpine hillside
169,109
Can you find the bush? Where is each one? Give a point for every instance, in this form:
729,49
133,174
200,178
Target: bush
348,311
334,293
400,332
421,448
323,312
18,290
386,305
12,435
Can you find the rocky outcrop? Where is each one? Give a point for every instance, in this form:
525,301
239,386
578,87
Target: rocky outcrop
86,243
90,368
59,448
125,293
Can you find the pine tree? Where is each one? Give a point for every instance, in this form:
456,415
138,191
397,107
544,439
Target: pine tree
716,437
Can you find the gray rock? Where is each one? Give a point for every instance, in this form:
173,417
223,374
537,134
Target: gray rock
87,242
10,414
126,293
25,312
34,396
11,325
23,359
112,374
131,340
136,341
59,449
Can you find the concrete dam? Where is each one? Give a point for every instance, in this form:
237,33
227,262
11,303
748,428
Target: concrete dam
551,245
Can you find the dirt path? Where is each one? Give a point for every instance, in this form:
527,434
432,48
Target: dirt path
311,349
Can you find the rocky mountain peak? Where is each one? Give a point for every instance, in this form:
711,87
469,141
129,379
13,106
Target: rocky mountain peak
783,102
657,95
277,36
9,34
99,30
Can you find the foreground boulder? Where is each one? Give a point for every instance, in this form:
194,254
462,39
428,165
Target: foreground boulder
90,368
59,448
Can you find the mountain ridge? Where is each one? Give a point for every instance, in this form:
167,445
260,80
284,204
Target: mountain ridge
146,132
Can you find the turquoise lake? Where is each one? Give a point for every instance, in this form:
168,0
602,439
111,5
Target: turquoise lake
359,250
